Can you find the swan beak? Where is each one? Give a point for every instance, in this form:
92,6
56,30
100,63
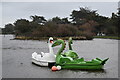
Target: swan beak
51,41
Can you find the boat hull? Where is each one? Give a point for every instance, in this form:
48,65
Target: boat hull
85,67
94,64
40,63
43,63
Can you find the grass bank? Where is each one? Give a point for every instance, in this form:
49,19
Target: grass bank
46,38
108,37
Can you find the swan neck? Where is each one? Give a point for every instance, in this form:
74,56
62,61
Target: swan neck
62,48
50,48
70,47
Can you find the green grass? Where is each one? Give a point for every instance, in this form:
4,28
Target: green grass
108,37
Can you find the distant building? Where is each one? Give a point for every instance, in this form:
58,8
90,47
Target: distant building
100,34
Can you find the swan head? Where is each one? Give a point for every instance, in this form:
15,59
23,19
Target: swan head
50,40
57,42
70,40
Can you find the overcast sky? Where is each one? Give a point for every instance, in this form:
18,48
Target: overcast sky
11,11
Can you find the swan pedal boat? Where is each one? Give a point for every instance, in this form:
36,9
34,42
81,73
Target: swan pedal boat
44,59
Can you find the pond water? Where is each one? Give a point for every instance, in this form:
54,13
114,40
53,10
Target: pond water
16,58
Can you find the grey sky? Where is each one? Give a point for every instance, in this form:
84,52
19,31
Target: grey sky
11,11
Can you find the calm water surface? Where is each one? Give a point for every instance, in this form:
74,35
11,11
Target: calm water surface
16,58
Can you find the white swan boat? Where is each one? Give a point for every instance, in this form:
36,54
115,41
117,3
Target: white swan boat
45,59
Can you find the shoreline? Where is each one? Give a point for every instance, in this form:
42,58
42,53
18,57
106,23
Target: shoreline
46,38
64,38
107,37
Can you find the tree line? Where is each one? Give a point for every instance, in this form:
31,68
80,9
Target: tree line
82,22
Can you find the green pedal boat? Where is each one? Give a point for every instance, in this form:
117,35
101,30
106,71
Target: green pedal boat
70,59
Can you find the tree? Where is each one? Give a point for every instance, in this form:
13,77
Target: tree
113,25
82,16
57,20
9,29
38,19
64,30
103,23
22,26
65,21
